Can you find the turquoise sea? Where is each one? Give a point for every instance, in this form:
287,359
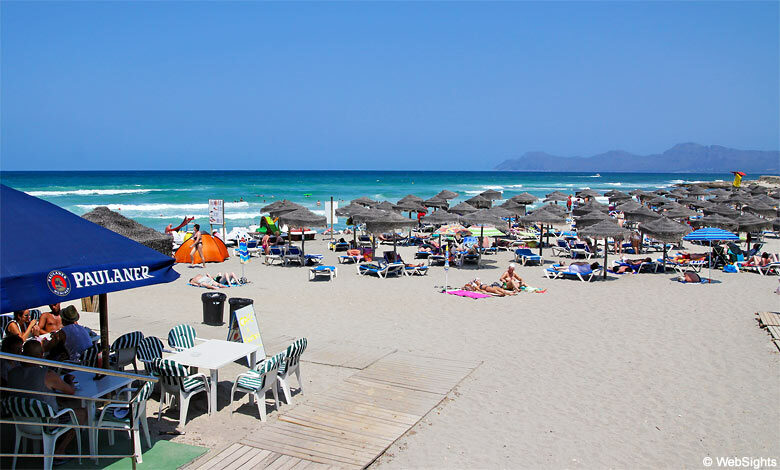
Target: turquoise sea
157,198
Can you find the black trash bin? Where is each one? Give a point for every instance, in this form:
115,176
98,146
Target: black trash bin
213,307
237,303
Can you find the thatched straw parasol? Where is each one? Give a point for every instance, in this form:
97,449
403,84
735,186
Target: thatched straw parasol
278,207
665,230
440,218
615,196
463,208
436,202
759,207
697,191
590,218
302,218
628,206
446,195
410,197
382,221
526,198
131,229
354,212
480,202
679,213
776,224
387,206
604,229
717,221
587,193
641,214
556,196
589,206
543,216
492,194
750,223
364,201
723,210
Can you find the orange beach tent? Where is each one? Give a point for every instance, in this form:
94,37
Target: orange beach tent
214,250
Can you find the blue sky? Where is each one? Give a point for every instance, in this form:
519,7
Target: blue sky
369,85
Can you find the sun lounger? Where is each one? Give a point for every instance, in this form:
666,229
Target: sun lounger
525,255
310,260
274,254
584,275
583,250
562,249
634,268
771,268
680,267
293,255
322,271
381,269
345,259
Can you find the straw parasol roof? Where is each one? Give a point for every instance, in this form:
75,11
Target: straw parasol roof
480,202
349,210
604,229
661,192
303,218
776,224
590,218
758,207
543,216
658,201
617,196
679,213
723,210
641,214
386,206
410,197
512,205
590,206
437,202
501,212
628,206
638,193
665,230
556,196
277,207
717,221
527,198
441,217
751,223
491,194
587,193
364,201
410,205
554,208
463,208
482,217
444,194
697,191
380,221
131,229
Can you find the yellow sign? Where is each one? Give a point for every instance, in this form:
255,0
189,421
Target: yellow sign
244,328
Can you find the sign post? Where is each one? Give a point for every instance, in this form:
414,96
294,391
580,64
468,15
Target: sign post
217,215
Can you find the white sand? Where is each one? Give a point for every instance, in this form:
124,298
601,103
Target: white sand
638,371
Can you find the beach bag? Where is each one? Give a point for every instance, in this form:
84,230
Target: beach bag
730,268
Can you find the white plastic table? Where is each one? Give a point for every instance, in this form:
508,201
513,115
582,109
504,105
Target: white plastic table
88,387
213,354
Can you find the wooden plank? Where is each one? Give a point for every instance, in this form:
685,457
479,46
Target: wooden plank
240,462
281,462
312,447
774,331
259,456
336,421
769,318
343,439
214,462
265,462
293,451
345,447
368,410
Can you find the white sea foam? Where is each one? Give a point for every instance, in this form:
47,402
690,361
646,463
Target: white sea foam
91,192
613,184
473,192
495,188
161,207
515,186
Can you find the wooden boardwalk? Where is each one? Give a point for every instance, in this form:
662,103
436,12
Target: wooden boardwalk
770,321
353,423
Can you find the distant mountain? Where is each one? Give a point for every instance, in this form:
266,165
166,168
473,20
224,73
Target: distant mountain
682,158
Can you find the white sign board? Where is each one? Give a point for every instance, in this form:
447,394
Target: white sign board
216,211
245,329
329,212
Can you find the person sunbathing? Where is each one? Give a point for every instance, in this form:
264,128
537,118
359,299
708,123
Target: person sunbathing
630,265
762,260
476,285
581,266
204,280
228,279
510,280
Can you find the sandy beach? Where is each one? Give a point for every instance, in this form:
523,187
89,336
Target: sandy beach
635,371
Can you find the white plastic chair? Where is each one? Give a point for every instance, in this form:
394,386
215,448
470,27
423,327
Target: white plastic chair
36,411
107,419
290,365
177,382
257,382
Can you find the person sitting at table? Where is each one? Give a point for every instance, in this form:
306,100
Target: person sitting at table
51,321
73,338
21,325
37,378
11,345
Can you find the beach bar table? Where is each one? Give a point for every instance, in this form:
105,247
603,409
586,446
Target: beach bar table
213,354
89,387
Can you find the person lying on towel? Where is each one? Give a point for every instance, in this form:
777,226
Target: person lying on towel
495,289
629,265
204,280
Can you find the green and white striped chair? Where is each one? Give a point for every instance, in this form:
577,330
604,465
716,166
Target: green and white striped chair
123,351
181,337
258,381
149,349
108,418
35,411
290,365
89,357
176,381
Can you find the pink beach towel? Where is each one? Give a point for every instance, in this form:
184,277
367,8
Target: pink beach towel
469,294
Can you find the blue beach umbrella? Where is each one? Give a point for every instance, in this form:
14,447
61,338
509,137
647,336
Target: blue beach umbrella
50,255
710,234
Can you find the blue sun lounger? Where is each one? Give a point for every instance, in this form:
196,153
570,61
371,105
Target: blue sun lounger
381,269
322,271
524,255
585,275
